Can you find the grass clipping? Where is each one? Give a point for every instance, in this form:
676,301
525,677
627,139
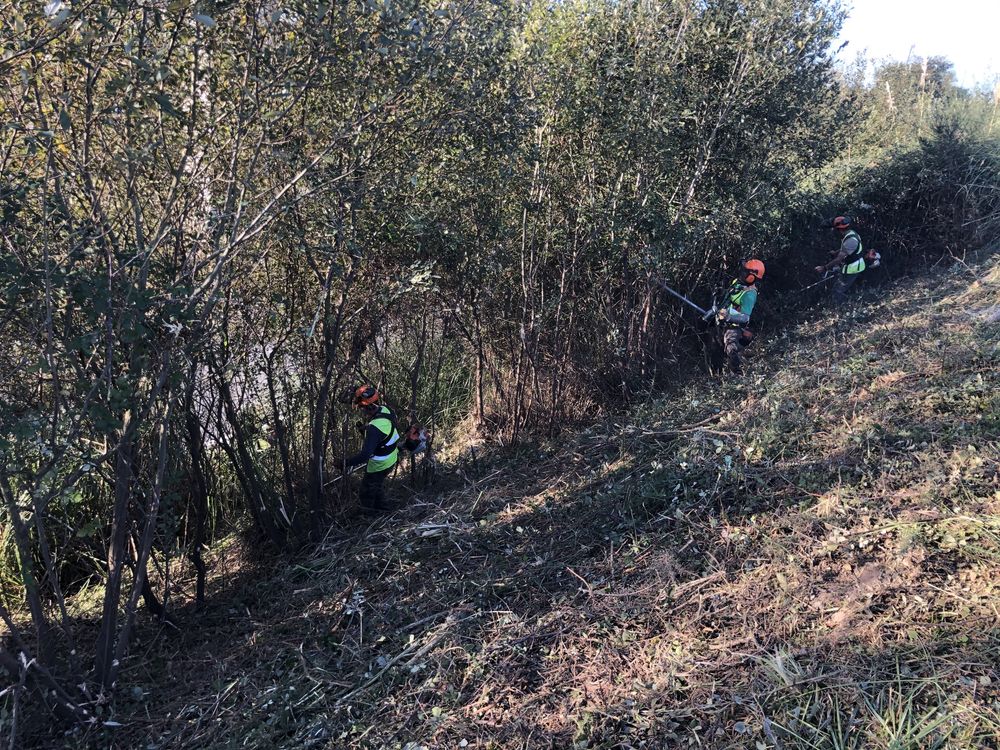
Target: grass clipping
806,559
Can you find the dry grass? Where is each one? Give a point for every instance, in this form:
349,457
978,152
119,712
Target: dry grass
808,559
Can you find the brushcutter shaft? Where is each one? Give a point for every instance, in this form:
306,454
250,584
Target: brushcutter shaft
684,299
825,279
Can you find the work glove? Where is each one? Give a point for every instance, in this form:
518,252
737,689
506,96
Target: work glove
723,315
820,269
360,427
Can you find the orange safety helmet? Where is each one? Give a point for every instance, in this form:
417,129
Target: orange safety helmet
754,269
842,223
365,395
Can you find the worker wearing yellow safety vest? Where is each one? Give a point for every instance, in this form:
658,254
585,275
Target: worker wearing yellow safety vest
380,450
850,258
734,315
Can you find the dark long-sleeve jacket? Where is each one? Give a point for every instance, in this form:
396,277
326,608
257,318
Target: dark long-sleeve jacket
373,438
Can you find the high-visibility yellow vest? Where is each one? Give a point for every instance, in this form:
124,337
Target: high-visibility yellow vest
855,262
387,453
735,300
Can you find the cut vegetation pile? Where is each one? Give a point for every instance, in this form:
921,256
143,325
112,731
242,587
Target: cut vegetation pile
809,558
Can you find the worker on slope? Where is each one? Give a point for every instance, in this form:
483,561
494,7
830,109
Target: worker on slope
734,315
380,450
849,258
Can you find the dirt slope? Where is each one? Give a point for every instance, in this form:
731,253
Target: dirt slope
806,559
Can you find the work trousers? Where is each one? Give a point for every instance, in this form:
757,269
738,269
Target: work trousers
733,347
841,284
372,492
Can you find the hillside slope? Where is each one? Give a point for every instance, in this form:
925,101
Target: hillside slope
809,558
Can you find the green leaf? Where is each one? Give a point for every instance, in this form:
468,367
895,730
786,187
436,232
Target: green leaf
88,530
166,105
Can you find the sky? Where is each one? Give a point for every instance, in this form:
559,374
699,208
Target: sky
967,32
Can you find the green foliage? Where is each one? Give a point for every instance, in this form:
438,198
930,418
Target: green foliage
940,198
917,170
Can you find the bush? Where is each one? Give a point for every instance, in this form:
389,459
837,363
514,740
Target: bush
939,199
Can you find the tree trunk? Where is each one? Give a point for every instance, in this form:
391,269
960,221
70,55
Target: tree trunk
104,668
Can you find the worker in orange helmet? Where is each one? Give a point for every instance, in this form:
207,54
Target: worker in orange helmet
380,451
734,315
848,259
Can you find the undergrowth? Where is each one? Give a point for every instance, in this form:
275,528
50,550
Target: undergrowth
807,558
